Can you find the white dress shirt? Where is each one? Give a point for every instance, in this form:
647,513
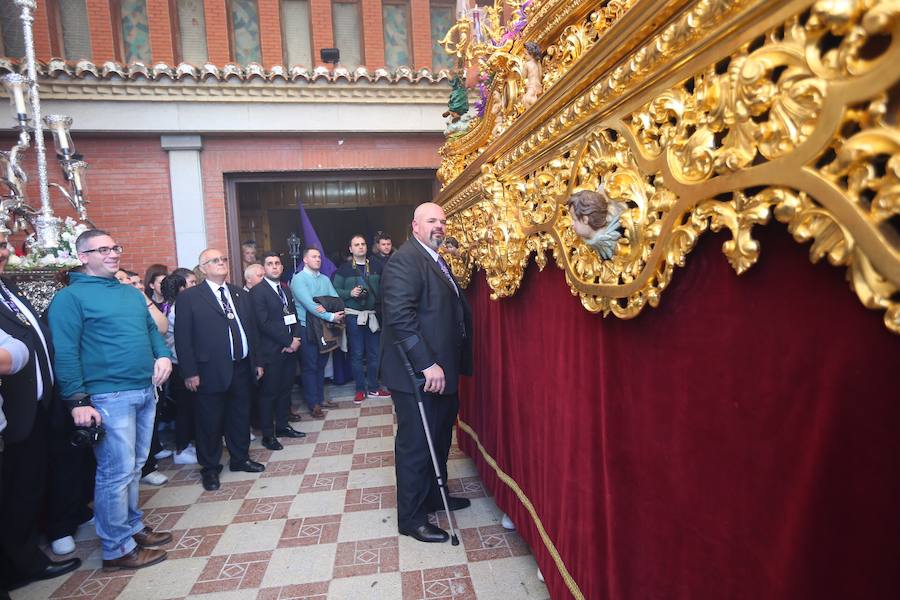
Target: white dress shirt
215,288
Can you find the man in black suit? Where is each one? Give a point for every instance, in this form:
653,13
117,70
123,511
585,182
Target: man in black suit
279,339
27,402
427,314
215,340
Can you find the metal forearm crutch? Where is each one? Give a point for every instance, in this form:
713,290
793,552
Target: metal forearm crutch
437,469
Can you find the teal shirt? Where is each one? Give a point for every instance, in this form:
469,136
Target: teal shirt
104,337
305,286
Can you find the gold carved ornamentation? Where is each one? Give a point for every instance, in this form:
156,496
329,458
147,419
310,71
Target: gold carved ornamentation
730,114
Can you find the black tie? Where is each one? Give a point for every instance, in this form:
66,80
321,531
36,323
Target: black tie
237,348
282,296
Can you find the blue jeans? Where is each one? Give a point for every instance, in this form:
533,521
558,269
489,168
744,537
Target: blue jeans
363,344
128,419
312,368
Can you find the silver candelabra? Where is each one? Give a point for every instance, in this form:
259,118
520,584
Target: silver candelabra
15,212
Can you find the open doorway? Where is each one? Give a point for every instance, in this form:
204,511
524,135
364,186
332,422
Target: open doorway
265,208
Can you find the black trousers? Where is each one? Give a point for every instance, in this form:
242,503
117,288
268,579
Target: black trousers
70,482
417,489
185,409
275,393
226,412
23,482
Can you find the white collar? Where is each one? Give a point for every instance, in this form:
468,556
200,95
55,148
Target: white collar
215,286
274,284
432,253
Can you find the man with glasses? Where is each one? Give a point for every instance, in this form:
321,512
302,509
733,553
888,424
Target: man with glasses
215,340
28,396
109,359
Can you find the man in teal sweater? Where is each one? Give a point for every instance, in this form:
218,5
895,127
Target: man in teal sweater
306,285
109,360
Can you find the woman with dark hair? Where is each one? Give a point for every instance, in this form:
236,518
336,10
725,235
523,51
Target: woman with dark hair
189,277
185,454
152,280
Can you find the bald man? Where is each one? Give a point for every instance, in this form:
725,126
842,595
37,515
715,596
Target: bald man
215,340
426,313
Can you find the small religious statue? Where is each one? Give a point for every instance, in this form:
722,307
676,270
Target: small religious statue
459,100
534,75
595,219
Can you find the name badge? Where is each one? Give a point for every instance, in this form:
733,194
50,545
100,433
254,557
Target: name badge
290,319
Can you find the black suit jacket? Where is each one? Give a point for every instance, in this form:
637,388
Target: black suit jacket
20,390
421,309
273,333
201,335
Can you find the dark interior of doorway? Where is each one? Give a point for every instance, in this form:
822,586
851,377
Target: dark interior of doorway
335,226
339,204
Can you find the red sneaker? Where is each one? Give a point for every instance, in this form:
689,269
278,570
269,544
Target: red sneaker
379,394
359,397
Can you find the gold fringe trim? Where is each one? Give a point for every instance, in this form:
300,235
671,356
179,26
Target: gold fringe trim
509,481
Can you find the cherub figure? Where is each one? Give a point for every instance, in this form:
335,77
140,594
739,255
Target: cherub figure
595,219
534,75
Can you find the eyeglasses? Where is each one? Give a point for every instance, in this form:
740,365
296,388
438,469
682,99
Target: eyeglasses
105,250
218,260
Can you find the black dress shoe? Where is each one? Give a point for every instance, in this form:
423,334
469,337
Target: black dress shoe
290,432
272,443
210,480
454,502
426,533
53,569
250,466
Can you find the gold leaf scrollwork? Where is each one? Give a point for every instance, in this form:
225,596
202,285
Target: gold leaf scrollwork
798,120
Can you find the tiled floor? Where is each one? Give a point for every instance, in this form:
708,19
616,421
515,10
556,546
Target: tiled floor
320,523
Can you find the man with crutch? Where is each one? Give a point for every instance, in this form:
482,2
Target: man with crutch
427,318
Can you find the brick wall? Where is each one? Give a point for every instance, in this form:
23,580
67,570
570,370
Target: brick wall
420,16
101,25
270,32
217,31
320,27
373,33
162,36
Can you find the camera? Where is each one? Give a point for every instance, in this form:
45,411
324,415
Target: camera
363,293
87,437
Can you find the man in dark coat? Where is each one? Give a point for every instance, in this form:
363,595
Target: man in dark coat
28,396
279,340
215,340
426,313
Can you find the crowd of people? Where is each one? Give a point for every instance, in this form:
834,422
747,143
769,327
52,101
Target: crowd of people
88,387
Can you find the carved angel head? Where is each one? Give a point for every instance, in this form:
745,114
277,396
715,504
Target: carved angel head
595,219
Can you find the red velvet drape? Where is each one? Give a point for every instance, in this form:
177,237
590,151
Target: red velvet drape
741,441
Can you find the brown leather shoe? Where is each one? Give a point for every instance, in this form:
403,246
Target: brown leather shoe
136,559
330,404
317,412
294,418
149,538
